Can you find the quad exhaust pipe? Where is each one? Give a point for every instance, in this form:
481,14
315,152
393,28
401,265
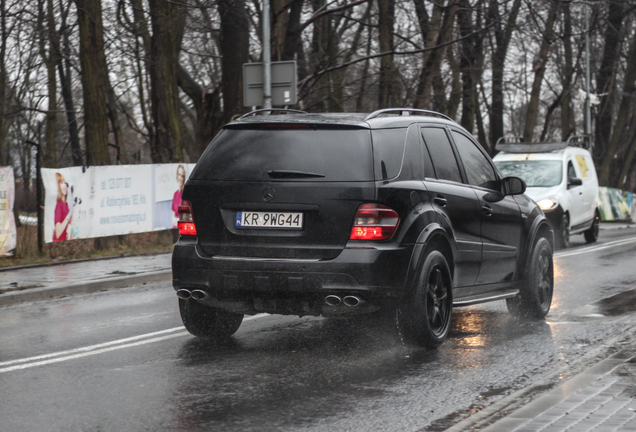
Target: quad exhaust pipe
349,300
196,294
184,294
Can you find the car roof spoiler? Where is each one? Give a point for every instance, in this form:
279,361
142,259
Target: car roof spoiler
504,144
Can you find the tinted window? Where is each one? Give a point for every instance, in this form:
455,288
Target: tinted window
388,150
571,171
240,154
441,153
412,165
535,173
479,171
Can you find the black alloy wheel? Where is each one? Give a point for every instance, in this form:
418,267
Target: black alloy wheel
424,317
535,296
564,232
591,235
204,321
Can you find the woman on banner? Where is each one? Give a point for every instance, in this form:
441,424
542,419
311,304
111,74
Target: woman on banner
176,199
63,216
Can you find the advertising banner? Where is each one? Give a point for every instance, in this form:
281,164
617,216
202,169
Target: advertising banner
110,200
615,204
8,232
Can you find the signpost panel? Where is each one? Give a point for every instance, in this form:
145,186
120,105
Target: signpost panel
284,81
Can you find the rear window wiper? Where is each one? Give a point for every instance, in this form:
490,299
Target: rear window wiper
292,174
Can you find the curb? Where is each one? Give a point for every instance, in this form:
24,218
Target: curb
36,294
511,412
80,260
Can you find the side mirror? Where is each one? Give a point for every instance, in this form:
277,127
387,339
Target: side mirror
573,182
514,186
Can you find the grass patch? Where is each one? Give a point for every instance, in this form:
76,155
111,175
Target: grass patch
27,252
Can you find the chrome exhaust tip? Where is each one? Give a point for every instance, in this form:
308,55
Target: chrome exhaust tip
333,300
199,294
183,293
351,301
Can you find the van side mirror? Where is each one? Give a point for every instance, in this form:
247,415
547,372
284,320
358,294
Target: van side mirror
574,181
514,186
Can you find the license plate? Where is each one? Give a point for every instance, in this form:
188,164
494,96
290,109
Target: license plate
255,219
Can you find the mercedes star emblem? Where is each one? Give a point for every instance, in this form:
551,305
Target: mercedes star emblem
268,194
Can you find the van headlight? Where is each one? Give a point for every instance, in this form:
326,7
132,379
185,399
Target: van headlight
548,203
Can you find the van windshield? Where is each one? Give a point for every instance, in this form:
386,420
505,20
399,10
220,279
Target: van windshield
535,173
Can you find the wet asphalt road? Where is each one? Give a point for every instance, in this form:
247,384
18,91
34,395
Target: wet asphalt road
120,360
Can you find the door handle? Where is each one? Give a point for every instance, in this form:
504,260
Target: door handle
440,200
487,210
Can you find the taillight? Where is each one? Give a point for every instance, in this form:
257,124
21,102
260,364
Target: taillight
374,222
186,221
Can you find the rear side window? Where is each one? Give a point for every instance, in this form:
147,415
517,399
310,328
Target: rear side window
249,154
442,155
388,149
479,171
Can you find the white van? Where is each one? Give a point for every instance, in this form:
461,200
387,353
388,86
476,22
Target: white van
561,178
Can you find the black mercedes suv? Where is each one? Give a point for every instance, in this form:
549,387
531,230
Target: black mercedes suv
294,213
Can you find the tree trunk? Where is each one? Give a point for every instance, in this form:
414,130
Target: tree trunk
467,65
207,104
503,35
539,71
627,103
167,22
94,81
568,125
433,58
66,82
292,36
113,115
4,35
605,77
48,51
388,93
235,49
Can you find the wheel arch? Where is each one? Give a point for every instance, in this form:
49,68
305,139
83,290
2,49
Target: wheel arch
434,237
540,228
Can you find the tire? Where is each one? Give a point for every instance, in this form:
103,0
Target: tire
424,316
535,295
564,232
591,235
204,321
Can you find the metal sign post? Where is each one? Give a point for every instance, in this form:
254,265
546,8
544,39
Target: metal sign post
267,58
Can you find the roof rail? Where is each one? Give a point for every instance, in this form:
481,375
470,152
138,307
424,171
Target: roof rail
272,111
583,141
402,111
530,147
508,139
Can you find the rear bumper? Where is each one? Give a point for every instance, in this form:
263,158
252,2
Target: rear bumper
375,276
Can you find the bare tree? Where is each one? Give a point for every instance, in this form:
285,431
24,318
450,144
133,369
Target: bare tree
539,68
503,34
94,81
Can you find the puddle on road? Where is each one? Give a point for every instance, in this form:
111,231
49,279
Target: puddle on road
619,304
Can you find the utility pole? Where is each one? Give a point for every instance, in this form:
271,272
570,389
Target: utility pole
267,58
588,116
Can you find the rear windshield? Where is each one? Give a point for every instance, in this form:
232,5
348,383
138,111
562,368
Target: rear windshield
280,154
535,173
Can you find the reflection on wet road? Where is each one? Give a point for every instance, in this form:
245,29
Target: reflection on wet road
120,360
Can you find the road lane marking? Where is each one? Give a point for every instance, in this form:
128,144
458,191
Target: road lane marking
594,248
130,342
88,348
90,353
